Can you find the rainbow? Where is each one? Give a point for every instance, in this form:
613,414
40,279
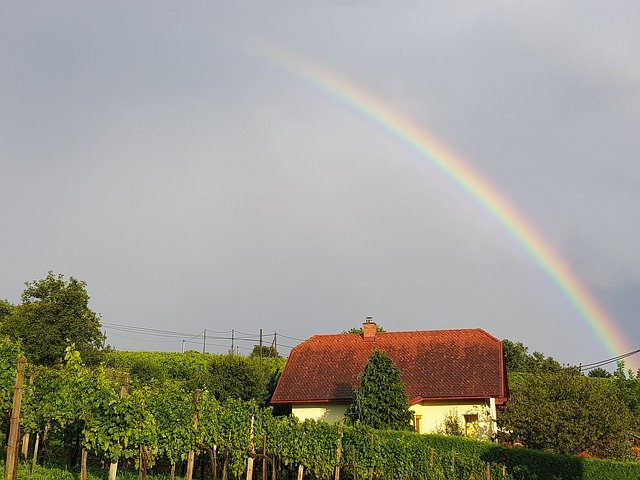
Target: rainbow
464,176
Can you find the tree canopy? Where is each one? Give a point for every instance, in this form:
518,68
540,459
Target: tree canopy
519,359
566,412
54,312
381,399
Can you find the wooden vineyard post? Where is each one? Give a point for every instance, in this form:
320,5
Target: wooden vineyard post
113,466
83,464
142,467
487,472
300,471
338,454
264,458
252,450
14,426
25,446
215,463
273,467
36,447
355,472
26,437
431,455
192,454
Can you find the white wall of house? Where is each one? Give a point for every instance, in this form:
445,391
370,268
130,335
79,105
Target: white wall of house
476,418
327,412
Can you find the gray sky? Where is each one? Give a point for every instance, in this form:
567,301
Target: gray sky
152,151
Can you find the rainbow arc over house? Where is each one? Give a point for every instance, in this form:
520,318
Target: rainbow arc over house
464,176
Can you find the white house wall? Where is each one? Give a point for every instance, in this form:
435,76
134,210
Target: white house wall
432,414
327,412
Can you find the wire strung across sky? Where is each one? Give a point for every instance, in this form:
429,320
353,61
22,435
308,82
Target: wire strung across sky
590,366
206,338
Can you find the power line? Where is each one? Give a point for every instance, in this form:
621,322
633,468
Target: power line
602,363
206,338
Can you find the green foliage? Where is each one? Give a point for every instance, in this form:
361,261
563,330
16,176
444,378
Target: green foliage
264,352
226,376
5,309
381,399
451,424
10,352
599,373
565,412
518,359
53,313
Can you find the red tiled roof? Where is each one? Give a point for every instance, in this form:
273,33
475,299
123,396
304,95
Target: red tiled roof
436,364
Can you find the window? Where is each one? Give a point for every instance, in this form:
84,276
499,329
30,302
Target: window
417,423
471,427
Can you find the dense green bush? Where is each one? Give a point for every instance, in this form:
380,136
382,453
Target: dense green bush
227,376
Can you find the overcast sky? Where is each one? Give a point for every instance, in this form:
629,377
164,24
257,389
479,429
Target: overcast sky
150,149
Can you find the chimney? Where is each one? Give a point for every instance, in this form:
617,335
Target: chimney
369,329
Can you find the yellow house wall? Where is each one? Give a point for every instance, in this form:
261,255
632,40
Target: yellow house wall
327,412
433,414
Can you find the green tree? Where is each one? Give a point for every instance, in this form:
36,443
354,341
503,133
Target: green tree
53,313
565,412
381,399
599,373
519,359
5,309
264,351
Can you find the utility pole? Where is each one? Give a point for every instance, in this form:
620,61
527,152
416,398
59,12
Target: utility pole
183,342
260,345
232,351
204,341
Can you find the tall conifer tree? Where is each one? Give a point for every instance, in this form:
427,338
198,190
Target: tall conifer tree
381,399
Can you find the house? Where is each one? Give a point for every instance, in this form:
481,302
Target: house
457,374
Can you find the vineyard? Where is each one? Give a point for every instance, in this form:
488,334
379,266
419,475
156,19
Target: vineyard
98,423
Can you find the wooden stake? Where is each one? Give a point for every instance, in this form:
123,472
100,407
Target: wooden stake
14,427
124,389
355,473
214,467
264,458
36,446
143,463
252,450
338,455
173,471
487,472
300,471
191,457
113,470
225,464
26,436
25,446
273,468
192,454
83,464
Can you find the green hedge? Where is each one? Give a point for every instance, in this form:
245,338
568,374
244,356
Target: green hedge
392,455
